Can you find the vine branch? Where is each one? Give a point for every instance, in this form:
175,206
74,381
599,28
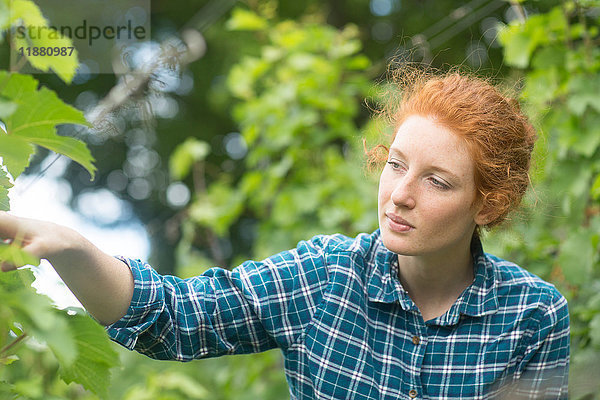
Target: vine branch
12,344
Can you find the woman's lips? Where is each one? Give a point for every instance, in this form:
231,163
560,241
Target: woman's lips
397,223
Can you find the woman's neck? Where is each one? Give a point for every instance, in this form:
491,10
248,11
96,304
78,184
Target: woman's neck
435,283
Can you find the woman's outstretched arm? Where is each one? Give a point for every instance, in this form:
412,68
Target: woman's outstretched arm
102,283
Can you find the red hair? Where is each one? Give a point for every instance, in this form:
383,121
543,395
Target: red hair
499,136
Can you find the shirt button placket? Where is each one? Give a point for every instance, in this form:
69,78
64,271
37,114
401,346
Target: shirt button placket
420,344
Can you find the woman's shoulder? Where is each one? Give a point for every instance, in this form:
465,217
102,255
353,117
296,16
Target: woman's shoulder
365,249
512,274
339,243
515,282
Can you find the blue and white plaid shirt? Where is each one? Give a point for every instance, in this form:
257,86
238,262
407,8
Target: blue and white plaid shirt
348,330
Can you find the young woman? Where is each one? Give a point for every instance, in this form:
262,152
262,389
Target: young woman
415,309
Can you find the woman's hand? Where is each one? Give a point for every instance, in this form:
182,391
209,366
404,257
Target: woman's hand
102,283
39,238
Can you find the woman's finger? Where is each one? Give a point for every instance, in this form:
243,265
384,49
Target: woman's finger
9,225
7,266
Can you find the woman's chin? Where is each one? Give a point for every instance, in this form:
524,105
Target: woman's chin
395,244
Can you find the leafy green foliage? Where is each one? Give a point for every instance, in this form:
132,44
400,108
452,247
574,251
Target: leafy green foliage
95,356
16,255
5,184
245,20
34,121
82,352
80,346
187,154
560,239
25,13
300,94
242,377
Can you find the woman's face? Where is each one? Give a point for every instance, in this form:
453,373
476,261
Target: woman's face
427,192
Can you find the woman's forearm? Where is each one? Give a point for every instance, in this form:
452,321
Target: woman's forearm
102,283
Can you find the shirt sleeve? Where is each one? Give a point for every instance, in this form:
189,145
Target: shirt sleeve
545,366
255,307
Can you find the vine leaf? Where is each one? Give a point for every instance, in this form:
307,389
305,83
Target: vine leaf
7,108
185,155
244,20
25,14
15,154
4,19
84,352
34,122
95,356
46,324
13,253
64,66
26,11
5,184
32,312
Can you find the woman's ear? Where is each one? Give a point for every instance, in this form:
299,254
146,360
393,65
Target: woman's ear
482,219
485,214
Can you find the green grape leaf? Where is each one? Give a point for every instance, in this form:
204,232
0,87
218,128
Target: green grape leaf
521,40
4,181
95,356
6,388
34,122
47,324
64,66
5,184
7,108
30,388
185,155
180,382
577,257
218,208
36,314
244,20
4,17
15,153
4,200
9,360
12,282
595,190
17,256
27,15
27,12
583,93
595,331
517,46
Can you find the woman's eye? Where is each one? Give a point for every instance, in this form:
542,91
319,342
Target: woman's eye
396,166
437,183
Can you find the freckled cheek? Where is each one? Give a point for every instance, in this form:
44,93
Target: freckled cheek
382,207
384,193
448,215
439,213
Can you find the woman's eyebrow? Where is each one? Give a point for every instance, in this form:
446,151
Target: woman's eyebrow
452,176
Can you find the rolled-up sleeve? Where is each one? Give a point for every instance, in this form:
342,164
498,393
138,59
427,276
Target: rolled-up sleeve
255,307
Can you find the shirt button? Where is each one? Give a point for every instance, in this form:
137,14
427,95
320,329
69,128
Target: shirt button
412,394
416,340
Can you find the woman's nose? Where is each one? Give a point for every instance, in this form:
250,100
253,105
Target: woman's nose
404,192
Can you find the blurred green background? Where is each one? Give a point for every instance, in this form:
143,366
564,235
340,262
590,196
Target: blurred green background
258,144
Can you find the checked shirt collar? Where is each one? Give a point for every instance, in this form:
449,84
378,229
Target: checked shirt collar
477,300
